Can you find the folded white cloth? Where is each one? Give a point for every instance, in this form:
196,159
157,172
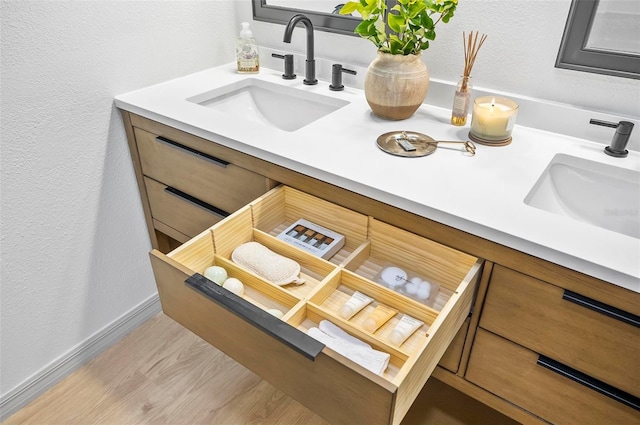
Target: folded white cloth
332,330
352,348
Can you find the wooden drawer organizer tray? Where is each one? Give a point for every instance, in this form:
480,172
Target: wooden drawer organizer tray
279,350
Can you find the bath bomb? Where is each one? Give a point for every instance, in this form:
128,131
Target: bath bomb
275,312
234,285
216,274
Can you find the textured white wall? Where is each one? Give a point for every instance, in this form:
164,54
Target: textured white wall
74,244
73,240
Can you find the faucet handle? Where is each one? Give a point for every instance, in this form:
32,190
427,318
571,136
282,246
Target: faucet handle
620,138
288,65
336,76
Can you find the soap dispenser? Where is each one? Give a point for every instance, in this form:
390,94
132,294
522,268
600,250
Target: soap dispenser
247,51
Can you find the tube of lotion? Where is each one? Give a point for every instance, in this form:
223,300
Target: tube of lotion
378,317
357,302
403,330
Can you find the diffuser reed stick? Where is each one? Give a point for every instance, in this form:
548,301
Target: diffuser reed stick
462,97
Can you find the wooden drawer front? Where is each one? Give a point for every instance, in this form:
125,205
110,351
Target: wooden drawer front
179,210
513,373
534,314
216,182
279,350
326,384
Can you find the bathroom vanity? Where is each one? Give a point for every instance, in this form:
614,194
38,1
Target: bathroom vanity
538,327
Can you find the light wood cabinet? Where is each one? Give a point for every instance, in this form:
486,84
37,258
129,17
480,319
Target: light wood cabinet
186,183
184,214
562,356
205,177
556,323
518,308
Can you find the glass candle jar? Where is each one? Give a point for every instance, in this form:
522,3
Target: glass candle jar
493,118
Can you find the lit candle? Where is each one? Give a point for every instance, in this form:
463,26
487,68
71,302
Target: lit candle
493,118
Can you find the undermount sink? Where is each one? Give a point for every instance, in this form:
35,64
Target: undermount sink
258,101
602,195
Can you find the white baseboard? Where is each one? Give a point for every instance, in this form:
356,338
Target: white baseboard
85,351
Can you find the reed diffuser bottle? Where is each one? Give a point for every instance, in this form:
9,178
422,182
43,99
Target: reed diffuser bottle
462,97
461,101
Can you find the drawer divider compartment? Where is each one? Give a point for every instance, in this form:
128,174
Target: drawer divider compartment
299,341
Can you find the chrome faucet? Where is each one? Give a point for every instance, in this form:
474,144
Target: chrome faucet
310,63
620,138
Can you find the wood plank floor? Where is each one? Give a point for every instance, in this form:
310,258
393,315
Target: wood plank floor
163,374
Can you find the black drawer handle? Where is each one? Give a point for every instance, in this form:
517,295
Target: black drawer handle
603,308
282,331
196,201
589,382
211,158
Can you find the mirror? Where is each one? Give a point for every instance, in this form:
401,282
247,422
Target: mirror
322,13
602,37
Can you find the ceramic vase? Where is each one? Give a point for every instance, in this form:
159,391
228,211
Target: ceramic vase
396,85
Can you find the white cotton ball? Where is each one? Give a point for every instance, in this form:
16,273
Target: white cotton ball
424,291
234,285
216,274
412,286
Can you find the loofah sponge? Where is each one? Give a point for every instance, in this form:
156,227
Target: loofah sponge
267,264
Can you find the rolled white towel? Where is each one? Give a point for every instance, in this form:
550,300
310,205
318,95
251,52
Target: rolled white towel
337,332
352,348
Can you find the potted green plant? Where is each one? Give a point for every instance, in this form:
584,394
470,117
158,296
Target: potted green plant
397,80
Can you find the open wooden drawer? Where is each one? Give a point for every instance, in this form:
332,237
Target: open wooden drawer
279,349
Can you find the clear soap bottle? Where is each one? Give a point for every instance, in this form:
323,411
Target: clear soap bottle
247,51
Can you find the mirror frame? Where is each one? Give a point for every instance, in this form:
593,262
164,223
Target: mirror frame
574,54
339,24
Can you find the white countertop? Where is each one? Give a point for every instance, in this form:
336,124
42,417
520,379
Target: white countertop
482,195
